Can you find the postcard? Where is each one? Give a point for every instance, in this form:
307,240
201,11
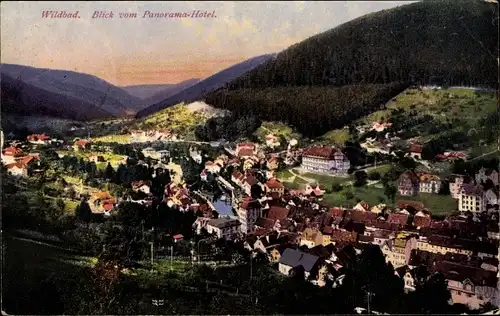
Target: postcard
250,157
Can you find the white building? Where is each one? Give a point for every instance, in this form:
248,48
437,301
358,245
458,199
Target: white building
223,227
456,182
487,174
151,153
429,183
471,199
196,155
248,211
325,160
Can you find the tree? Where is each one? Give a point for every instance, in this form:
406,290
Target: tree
407,163
336,187
109,172
360,178
445,188
83,211
349,195
435,293
390,191
256,191
374,176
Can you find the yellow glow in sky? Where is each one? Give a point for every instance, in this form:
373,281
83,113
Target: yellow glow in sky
126,51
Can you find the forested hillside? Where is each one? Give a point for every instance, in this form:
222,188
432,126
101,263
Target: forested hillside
444,42
311,109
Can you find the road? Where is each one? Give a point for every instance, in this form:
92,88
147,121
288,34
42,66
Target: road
486,154
309,180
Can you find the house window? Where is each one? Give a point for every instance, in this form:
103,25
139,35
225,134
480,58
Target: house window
480,297
469,295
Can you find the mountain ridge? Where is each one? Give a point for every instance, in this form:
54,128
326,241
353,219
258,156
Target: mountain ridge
88,88
25,99
445,43
152,93
197,91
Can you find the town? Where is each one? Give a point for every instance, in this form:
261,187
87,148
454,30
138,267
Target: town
260,158
247,194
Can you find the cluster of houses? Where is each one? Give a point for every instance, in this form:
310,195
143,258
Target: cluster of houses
294,230
141,136
294,233
473,194
17,161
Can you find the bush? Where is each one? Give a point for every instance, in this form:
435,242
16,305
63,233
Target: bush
374,176
336,187
349,195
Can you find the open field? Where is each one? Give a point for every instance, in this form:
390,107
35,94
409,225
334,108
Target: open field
326,180
277,129
112,158
337,137
284,174
114,138
382,169
441,104
437,204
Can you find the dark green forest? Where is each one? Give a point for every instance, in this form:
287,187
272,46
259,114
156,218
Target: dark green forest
312,110
431,42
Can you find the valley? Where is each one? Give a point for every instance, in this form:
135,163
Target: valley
344,153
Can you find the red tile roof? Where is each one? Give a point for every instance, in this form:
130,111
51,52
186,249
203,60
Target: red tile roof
246,145
251,180
264,223
460,273
321,152
361,216
401,219
13,151
35,137
278,212
343,236
81,142
178,236
138,184
248,203
422,221
107,206
245,152
416,148
273,183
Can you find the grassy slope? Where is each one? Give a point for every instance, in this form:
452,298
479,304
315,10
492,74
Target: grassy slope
178,119
443,105
26,266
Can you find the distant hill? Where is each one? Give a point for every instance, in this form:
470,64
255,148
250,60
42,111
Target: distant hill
444,42
199,90
23,98
75,85
153,93
144,91
170,91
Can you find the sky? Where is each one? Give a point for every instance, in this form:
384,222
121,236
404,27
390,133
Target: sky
130,51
